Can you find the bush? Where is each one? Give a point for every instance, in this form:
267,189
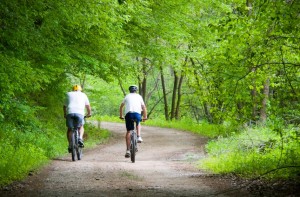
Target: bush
256,152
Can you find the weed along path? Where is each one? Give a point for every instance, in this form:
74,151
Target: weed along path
165,166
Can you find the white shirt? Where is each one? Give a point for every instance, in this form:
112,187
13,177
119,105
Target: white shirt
76,102
133,103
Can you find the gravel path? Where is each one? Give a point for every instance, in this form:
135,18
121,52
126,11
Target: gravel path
165,166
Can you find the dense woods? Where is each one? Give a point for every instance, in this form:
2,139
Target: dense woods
231,62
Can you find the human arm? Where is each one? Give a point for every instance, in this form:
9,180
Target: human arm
144,108
121,110
89,110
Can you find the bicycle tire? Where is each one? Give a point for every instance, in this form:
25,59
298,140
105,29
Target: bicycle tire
133,147
79,153
73,147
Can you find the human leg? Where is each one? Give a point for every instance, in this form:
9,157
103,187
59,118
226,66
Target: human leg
81,132
138,119
69,124
129,127
69,138
79,122
80,140
127,140
138,132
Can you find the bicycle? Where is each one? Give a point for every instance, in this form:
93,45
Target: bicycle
133,142
76,149
133,145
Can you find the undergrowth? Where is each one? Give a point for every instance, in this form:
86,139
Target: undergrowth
27,149
252,152
256,152
203,128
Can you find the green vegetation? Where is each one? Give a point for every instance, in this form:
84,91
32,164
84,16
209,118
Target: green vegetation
25,151
95,135
212,67
267,152
204,129
256,152
22,152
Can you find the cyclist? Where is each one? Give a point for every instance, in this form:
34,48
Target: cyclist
74,110
134,106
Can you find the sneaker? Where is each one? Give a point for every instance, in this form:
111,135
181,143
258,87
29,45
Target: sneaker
127,154
139,139
80,142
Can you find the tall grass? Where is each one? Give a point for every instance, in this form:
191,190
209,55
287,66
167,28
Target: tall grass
185,124
22,151
256,152
250,152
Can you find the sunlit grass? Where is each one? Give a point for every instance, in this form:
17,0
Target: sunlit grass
249,152
23,151
95,135
202,128
255,152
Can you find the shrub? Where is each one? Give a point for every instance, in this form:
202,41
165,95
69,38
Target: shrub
256,152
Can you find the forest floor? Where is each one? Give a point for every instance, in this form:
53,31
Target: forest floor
166,165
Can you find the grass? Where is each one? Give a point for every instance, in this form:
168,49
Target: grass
247,152
203,128
27,150
95,136
256,152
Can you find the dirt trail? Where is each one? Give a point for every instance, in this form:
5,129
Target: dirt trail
165,166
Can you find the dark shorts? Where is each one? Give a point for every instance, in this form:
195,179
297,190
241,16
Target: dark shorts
74,120
130,118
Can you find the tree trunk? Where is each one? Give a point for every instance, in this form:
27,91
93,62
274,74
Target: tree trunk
177,110
174,95
122,88
249,5
206,105
164,93
254,98
263,110
144,81
82,82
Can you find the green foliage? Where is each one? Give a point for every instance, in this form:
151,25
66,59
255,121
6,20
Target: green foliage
256,152
16,162
105,98
203,128
225,51
23,150
95,135
190,125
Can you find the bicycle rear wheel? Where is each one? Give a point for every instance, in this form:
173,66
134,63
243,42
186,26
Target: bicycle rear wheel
79,153
73,147
133,146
